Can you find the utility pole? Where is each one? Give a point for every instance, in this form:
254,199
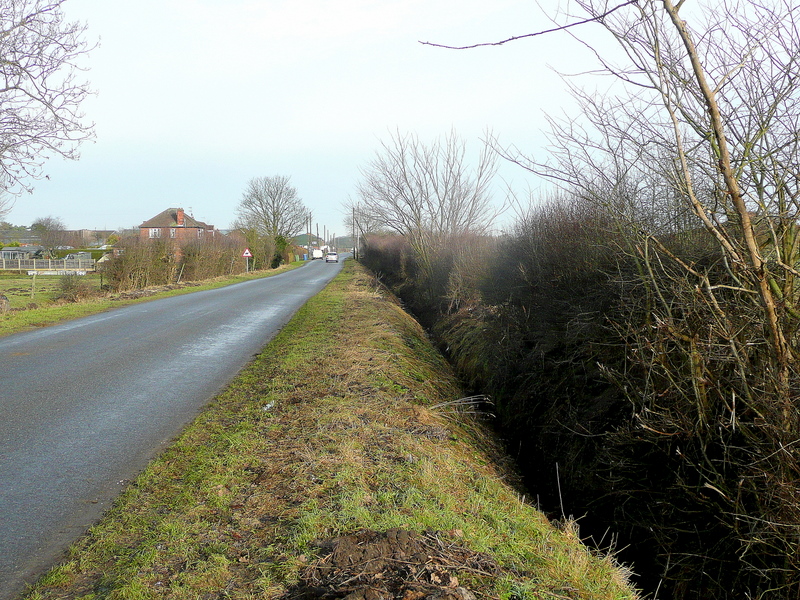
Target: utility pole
356,234
308,241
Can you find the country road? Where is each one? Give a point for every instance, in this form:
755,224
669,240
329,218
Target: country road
86,404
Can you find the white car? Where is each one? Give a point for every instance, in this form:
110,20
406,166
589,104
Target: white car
331,257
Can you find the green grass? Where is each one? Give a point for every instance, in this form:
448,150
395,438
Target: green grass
23,290
299,449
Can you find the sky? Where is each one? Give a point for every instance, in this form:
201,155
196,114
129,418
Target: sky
195,97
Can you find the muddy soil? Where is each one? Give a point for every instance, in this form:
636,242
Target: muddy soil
397,565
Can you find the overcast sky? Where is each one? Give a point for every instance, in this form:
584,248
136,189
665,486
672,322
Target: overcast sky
195,97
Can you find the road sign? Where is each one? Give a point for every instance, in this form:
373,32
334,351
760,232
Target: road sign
247,253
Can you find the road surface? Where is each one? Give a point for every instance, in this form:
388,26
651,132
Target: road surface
85,405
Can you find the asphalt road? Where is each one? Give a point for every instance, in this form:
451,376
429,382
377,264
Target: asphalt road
86,404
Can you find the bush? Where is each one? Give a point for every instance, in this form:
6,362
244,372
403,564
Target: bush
74,288
145,263
630,396
205,259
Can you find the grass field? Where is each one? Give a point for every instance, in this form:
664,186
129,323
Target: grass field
24,290
341,462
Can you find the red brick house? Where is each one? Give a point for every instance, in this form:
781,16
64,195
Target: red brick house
175,224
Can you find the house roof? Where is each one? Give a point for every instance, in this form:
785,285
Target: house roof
169,218
23,249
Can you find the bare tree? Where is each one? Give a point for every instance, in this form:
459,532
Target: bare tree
428,193
271,210
414,189
361,222
51,231
40,94
272,207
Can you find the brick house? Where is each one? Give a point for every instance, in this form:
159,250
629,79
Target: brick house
175,224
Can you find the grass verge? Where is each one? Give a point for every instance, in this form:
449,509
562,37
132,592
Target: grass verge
343,424
47,312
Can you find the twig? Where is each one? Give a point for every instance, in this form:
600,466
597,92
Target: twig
527,35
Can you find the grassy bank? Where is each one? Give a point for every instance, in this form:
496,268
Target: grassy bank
46,310
336,463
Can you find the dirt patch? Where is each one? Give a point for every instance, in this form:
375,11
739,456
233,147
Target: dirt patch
397,564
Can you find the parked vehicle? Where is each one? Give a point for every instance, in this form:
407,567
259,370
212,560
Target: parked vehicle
316,253
331,257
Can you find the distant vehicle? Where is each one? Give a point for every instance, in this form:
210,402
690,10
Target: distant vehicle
331,257
316,253
79,256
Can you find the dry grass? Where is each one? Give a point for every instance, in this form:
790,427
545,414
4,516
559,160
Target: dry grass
328,432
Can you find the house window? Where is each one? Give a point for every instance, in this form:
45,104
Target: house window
155,232
199,233
173,232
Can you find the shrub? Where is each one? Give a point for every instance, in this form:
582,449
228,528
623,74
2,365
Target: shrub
204,259
73,288
629,394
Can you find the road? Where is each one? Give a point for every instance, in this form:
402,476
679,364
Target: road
85,405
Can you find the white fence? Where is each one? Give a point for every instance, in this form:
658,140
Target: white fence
43,264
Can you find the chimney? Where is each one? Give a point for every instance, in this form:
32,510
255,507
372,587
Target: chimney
179,218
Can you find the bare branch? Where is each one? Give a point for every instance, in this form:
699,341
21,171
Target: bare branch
40,96
528,35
